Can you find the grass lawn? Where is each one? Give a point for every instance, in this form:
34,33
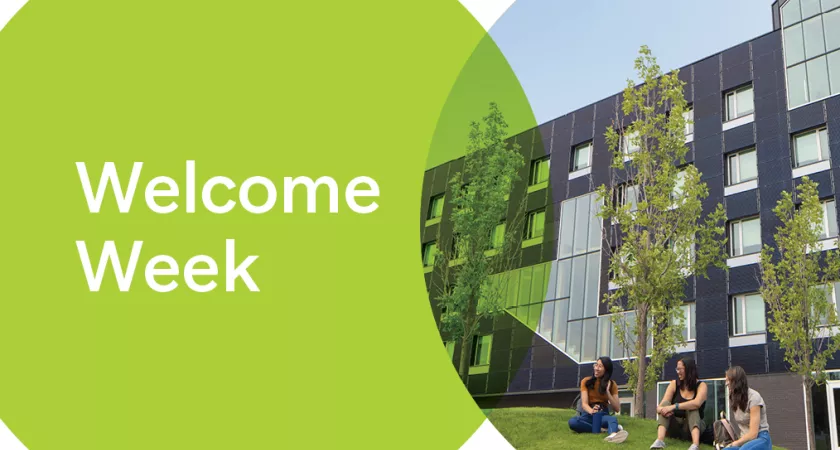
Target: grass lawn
547,428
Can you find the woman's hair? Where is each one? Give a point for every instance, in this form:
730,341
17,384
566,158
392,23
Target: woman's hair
738,388
605,380
690,380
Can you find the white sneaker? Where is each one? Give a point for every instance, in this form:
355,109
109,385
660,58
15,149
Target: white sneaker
617,437
658,444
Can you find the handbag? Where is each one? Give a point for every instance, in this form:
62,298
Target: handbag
724,433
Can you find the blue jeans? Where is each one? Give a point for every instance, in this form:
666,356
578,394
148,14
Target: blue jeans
761,442
592,423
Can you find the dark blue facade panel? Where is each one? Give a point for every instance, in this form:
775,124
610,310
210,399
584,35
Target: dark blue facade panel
736,75
542,379
712,334
707,68
499,359
766,86
583,124
688,288
739,138
579,186
806,117
520,358
543,357
744,279
742,204
714,307
712,363
710,164
566,377
776,357
606,109
825,186
520,381
546,132
735,56
769,43
770,176
771,127
752,358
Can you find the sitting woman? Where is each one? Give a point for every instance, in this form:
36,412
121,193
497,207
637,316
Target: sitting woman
597,394
749,413
681,409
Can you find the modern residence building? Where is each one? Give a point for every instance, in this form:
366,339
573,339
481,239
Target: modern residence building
765,113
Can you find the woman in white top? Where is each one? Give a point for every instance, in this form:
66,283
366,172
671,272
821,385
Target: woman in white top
749,413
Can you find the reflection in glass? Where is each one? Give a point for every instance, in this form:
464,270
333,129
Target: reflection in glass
581,225
791,13
593,276
573,339
831,22
561,317
794,45
590,340
578,287
797,86
818,78
564,277
567,228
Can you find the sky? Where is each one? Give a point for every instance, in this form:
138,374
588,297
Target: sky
570,54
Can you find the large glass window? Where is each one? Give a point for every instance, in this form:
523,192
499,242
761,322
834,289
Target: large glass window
739,102
741,167
436,207
810,147
581,157
747,314
535,225
745,236
831,293
811,29
539,171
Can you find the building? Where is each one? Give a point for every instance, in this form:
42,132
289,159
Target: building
766,112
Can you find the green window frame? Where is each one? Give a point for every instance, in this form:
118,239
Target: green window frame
534,228
539,171
480,358
497,236
430,253
436,207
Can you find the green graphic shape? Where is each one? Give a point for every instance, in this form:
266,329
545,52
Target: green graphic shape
338,348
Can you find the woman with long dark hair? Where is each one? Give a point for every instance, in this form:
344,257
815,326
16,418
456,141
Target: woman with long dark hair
598,394
749,413
681,409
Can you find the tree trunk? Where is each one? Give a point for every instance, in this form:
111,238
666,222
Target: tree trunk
464,362
809,413
466,339
641,352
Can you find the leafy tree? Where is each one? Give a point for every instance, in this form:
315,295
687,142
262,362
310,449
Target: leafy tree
478,249
794,285
653,229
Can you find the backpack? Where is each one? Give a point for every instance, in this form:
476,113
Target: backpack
724,433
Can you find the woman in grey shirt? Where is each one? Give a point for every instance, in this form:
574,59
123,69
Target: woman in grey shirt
749,413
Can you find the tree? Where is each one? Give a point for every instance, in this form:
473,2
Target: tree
653,229
478,248
794,286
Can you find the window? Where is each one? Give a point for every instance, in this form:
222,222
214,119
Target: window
630,143
435,207
810,43
741,167
689,333
829,225
810,147
535,224
481,350
679,184
627,194
747,314
688,115
581,156
430,253
745,236
497,236
831,293
539,171
739,103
